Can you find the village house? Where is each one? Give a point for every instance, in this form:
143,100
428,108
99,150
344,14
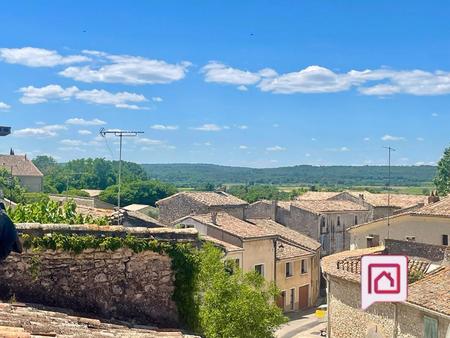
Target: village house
429,224
426,313
20,167
281,255
199,202
325,221
380,204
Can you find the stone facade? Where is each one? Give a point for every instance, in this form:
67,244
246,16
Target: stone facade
31,183
346,318
119,284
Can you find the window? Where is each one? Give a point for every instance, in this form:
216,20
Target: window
356,219
373,240
430,327
338,221
444,239
292,298
289,269
231,265
259,268
323,227
410,238
304,266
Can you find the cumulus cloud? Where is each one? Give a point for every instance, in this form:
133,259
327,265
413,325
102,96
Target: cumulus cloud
82,122
208,127
34,95
72,143
127,69
38,57
42,132
318,79
367,139
157,99
4,106
388,137
220,73
243,147
163,127
84,132
420,139
242,127
147,141
275,148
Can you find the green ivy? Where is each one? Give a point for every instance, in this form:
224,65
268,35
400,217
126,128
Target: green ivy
184,262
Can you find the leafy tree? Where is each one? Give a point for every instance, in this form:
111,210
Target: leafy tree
235,305
75,193
442,179
45,163
11,187
140,192
254,193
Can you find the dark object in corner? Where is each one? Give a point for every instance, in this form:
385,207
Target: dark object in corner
9,239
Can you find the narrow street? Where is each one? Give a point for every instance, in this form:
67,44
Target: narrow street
301,324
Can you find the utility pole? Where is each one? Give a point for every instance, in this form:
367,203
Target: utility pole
389,188
120,134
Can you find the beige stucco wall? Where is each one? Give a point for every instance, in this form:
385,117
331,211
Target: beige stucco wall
426,229
31,183
346,319
259,251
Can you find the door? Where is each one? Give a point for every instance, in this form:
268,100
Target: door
281,300
303,296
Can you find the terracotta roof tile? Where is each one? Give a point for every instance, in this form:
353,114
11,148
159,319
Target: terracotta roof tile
317,195
322,206
286,233
224,245
20,165
396,200
209,198
441,208
290,251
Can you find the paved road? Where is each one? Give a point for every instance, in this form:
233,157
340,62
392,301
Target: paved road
303,324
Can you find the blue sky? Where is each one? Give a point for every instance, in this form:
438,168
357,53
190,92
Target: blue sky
252,83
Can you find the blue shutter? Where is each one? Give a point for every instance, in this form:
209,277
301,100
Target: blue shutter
430,326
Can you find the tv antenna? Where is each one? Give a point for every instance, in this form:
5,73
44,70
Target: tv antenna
390,149
119,133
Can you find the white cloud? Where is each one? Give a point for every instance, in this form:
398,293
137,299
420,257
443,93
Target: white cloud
147,141
388,137
72,143
344,149
275,125
84,132
157,99
208,127
44,131
275,148
4,106
128,70
34,95
243,127
242,88
341,149
424,163
313,139
38,57
69,148
367,139
435,114
243,147
82,122
307,155
420,139
163,127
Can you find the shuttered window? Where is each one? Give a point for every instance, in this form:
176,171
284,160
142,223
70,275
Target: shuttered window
430,327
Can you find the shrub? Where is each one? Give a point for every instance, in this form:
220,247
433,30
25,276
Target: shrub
34,197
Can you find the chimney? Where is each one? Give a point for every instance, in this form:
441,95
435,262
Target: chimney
361,196
11,151
433,198
214,217
274,210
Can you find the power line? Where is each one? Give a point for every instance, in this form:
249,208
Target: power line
120,134
390,149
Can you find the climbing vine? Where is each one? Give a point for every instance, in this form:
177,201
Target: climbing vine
184,262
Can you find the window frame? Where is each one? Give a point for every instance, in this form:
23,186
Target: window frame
444,239
291,264
306,270
262,273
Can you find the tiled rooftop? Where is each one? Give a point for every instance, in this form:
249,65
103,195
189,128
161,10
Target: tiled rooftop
321,206
209,198
441,208
19,165
317,195
287,233
22,321
290,251
233,225
224,245
396,200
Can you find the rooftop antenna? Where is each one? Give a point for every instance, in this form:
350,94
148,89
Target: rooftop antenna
390,149
120,134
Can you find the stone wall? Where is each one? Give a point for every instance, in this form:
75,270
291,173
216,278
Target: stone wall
117,284
348,320
435,253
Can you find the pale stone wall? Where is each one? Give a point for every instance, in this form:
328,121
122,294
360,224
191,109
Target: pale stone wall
261,209
91,202
426,229
31,183
348,320
180,206
119,284
259,251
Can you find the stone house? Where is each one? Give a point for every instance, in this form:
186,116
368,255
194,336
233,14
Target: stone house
323,220
24,170
281,255
429,224
380,204
426,313
199,202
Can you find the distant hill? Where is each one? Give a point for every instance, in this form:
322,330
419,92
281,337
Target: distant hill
198,174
